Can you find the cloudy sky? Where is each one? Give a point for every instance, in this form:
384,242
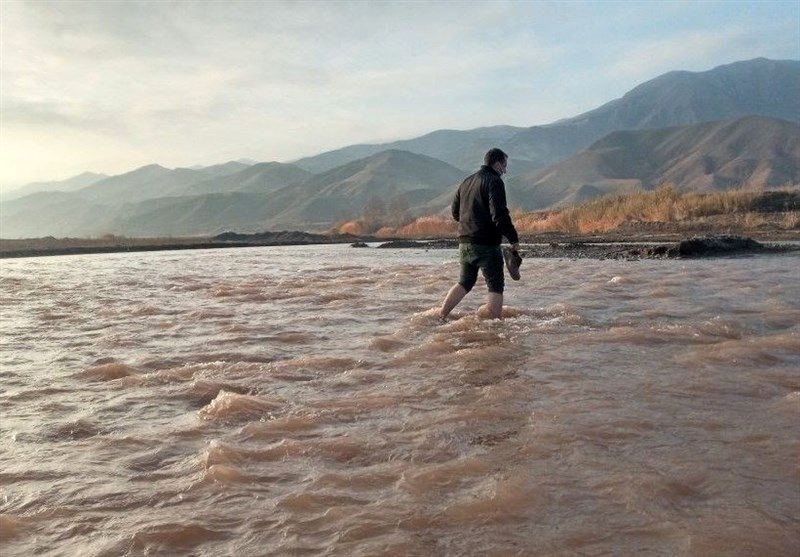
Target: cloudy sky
109,86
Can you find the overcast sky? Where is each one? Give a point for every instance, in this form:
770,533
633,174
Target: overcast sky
109,86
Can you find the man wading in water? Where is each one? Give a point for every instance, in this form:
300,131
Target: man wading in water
483,219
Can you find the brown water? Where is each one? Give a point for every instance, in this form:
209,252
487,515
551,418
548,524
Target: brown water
301,401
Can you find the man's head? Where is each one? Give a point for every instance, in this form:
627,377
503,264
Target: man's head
496,159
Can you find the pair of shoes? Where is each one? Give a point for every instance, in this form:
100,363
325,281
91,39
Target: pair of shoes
513,261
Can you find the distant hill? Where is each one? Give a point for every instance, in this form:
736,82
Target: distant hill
193,215
344,191
751,152
70,184
456,147
753,87
264,177
258,204
66,215
50,214
339,193
93,209
153,181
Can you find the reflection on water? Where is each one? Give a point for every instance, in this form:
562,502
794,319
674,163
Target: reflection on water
305,401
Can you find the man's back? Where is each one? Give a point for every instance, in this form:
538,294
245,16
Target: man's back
481,211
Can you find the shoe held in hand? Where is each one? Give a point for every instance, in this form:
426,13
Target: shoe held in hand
513,261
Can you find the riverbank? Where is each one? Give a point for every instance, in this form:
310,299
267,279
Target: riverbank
588,248
573,246
39,247
664,212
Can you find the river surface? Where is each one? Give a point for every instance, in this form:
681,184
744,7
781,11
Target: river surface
305,401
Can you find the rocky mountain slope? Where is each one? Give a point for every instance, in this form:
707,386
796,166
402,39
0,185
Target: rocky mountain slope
343,192
752,152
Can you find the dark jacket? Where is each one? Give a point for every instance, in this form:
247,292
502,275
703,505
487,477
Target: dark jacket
480,209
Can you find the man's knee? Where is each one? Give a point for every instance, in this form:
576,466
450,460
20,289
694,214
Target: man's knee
495,287
466,284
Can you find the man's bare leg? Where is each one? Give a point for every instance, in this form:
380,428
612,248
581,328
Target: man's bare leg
452,299
494,306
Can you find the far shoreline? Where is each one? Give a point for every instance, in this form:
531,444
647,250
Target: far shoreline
44,247
90,250
558,244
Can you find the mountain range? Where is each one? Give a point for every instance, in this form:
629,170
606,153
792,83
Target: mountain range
760,86
70,184
732,126
750,152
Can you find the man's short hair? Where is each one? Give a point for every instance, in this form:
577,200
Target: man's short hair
494,155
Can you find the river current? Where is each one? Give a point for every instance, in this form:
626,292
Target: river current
305,401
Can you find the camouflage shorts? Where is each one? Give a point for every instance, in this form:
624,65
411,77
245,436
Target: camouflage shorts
488,259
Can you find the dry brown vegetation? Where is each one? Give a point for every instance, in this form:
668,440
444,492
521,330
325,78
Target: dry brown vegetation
750,209
745,209
377,218
430,226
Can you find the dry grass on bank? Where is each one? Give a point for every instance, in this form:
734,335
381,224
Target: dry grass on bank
743,208
748,209
430,226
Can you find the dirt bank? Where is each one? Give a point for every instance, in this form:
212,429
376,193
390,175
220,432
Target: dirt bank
601,248
35,247
616,245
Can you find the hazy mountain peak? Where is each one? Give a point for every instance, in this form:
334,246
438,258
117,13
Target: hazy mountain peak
272,164
758,86
148,168
391,160
395,155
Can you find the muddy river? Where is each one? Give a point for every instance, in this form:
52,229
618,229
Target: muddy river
305,401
